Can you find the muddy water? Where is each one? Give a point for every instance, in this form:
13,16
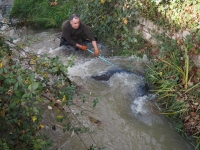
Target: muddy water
128,121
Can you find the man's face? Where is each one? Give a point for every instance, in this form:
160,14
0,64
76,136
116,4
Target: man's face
75,23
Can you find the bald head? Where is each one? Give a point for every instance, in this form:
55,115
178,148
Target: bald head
73,16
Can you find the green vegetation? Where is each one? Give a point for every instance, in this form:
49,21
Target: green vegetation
105,17
40,14
174,14
113,22
176,79
30,85
171,70
20,94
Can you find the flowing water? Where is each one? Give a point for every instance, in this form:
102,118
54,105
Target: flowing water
128,120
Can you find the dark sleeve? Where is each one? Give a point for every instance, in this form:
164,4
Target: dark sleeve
88,32
66,33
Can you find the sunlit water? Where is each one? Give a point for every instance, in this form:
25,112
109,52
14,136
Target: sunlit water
129,121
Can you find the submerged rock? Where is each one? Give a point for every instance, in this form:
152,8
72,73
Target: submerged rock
142,88
107,75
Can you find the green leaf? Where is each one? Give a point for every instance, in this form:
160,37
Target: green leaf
11,142
95,101
1,89
16,85
31,77
18,94
35,110
2,77
1,70
43,142
33,86
19,78
13,104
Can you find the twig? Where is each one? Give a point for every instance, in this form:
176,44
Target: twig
80,123
151,108
72,126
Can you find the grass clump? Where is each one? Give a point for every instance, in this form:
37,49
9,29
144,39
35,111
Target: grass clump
40,14
177,86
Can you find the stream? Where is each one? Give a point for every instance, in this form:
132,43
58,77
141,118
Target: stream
128,116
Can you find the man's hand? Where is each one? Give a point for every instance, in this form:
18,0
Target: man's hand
96,53
82,47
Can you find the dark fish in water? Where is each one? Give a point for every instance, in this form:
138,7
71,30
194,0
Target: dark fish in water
106,76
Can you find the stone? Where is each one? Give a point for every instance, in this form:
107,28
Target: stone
145,29
136,29
146,35
185,33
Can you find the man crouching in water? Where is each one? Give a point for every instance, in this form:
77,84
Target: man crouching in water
73,31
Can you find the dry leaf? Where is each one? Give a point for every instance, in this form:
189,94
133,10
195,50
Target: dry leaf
53,3
192,114
190,83
49,107
187,118
93,120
